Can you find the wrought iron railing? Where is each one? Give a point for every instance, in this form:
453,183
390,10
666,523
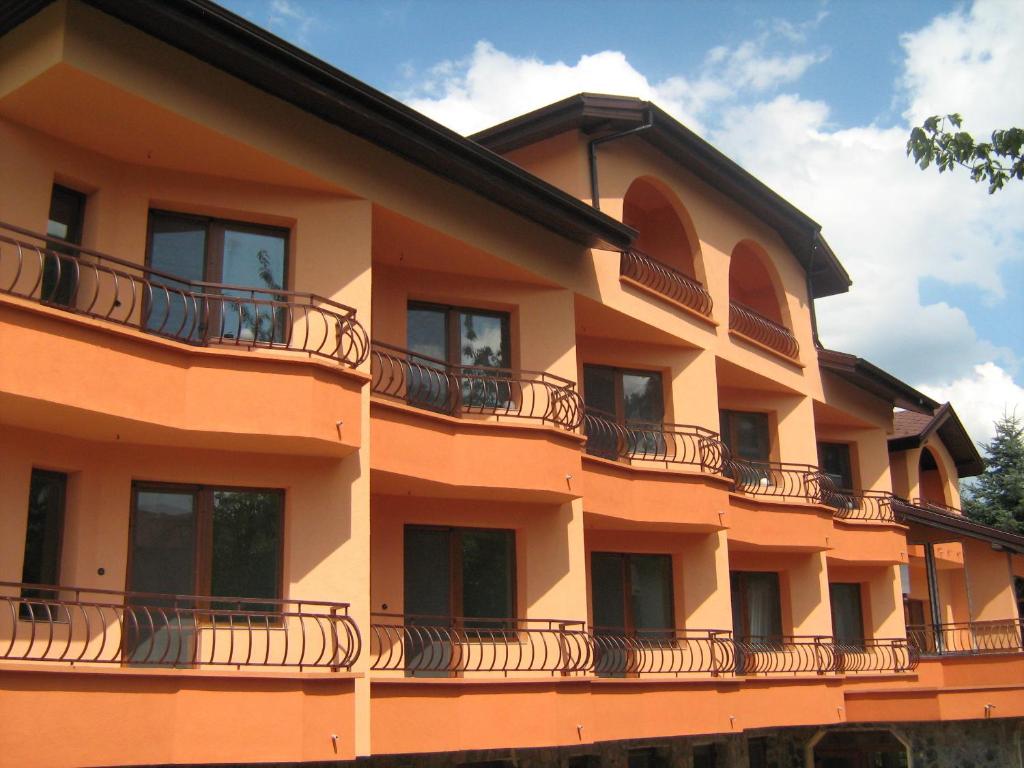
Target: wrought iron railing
666,281
785,654
861,505
759,328
662,652
780,480
435,385
61,624
641,441
94,284
968,638
440,646
876,655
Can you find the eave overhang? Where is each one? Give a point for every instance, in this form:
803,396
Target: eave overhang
597,114
869,377
232,44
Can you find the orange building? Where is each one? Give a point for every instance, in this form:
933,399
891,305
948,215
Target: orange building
330,436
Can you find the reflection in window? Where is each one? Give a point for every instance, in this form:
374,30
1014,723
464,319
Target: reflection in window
834,460
65,222
43,534
632,399
197,249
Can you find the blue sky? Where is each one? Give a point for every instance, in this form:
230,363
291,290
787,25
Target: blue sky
816,98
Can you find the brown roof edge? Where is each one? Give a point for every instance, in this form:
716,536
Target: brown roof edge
230,43
1013,542
598,113
953,435
871,378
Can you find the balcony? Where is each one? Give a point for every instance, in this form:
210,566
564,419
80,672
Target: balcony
780,481
86,282
669,652
663,281
680,445
432,646
873,506
103,349
458,390
968,638
73,625
792,655
762,332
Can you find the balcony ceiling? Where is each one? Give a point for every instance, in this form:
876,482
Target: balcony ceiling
128,128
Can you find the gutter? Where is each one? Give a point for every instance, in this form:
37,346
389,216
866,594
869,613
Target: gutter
595,196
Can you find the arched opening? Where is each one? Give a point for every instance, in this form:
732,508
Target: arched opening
860,749
932,483
752,285
665,232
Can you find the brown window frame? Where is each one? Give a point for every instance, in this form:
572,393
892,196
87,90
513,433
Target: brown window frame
730,435
847,450
741,577
859,591
620,397
628,614
453,333
455,573
203,542
60,293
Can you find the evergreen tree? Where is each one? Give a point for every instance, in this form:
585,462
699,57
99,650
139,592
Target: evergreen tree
997,497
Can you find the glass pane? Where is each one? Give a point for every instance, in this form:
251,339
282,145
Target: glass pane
651,586
608,591
60,276
847,619
643,404
161,632
427,595
427,572
257,260
763,619
42,542
599,397
487,576
751,435
246,557
427,379
482,342
178,247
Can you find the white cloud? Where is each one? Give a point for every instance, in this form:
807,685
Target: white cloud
981,399
288,19
490,86
890,223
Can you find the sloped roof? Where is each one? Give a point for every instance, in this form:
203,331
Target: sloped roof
965,526
600,114
911,430
871,378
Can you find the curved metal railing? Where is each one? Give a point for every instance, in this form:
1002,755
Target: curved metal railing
48,623
432,384
785,654
87,282
438,645
642,441
895,654
861,505
780,480
968,638
666,281
662,652
759,328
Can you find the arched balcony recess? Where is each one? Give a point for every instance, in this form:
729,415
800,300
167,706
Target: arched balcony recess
664,260
755,307
932,484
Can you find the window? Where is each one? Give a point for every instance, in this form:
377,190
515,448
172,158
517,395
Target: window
222,542
460,572
441,336
1018,587
834,460
756,605
67,216
644,757
456,577
757,751
847,618
47,492
198,249
746,435
631,592
627,397
705,756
